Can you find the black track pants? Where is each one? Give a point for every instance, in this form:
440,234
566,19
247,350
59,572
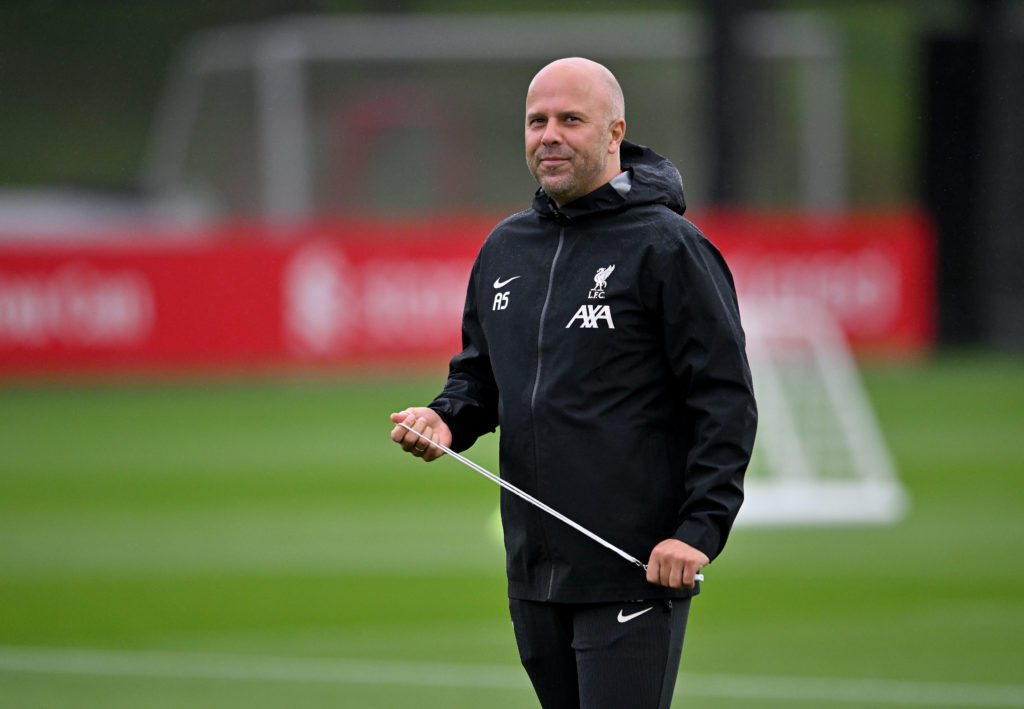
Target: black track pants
601,656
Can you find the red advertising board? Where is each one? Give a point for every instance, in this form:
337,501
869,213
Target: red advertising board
345,293
875,273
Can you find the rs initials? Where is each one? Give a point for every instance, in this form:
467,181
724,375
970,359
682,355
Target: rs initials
590,314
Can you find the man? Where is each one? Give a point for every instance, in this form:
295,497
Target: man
601,332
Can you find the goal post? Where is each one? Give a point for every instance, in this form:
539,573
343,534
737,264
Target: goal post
819,457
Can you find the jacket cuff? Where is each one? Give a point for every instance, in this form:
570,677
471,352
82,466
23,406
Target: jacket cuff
700,535
458,444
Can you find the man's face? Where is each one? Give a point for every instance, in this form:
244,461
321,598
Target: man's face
569,135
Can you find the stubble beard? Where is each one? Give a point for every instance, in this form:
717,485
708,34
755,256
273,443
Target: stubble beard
565,187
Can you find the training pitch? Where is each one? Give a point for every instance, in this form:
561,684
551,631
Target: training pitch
261,543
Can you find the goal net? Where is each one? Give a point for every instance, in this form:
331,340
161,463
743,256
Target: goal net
819,456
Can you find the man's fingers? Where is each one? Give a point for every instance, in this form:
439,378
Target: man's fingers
661,572
418,441
675,578
675,574
432,452
398,433
675,564
421,446
414,443
653,571
409,441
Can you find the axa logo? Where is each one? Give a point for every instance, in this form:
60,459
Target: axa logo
590,316
601,282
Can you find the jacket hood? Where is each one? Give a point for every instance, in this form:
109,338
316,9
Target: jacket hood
655,180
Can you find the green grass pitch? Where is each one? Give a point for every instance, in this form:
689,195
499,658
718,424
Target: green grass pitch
260,543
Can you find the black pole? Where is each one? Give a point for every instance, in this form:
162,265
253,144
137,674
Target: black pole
1001,181
726,70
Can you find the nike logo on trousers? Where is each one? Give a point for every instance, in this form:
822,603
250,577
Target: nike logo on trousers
626,618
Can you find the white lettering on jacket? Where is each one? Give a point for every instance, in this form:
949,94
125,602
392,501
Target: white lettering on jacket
591,314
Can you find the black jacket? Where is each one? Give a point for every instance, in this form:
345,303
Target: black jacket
604,338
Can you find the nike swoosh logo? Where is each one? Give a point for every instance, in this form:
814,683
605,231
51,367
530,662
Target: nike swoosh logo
631,616
498,283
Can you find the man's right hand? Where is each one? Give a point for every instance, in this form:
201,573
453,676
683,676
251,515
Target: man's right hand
422,420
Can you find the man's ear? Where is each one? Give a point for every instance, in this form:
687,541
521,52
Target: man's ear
616,132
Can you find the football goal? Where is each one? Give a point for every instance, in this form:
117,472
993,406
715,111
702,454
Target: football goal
819,456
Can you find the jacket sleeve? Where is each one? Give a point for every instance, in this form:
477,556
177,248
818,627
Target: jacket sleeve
469,401
706,348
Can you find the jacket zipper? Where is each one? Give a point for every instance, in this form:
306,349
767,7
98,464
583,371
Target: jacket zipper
536,386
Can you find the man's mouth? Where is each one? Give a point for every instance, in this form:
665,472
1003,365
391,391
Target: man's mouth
553,160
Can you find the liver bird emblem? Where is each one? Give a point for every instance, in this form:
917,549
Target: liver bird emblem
601,277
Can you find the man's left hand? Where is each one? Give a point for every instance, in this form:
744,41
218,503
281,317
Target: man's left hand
674,564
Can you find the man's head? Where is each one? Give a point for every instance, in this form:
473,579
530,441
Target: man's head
575,122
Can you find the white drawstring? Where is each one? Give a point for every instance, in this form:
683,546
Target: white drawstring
533,500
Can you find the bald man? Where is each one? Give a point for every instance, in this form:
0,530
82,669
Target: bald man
601,333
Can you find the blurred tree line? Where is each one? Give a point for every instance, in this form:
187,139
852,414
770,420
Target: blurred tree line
79,81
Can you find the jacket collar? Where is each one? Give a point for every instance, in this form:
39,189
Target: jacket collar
603,199
652,178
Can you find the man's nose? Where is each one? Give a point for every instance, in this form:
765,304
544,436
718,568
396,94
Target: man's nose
551,134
